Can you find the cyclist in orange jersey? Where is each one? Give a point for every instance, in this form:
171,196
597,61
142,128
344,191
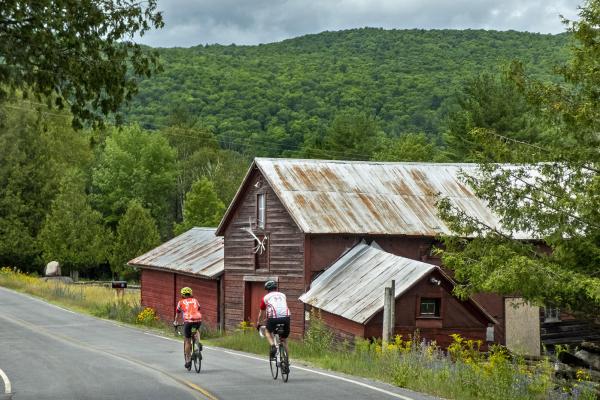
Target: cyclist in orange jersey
189,307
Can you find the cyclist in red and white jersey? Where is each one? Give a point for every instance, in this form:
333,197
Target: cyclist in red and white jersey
274,305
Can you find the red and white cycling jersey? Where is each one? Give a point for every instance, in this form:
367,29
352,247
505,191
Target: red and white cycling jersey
190,309
276,305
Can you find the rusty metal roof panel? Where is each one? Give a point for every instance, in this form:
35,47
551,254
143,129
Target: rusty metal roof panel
197,252
353,286
364,197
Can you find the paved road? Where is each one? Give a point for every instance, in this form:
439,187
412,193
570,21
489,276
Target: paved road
50,353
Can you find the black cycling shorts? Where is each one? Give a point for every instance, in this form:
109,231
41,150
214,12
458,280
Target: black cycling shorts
187,328
271,322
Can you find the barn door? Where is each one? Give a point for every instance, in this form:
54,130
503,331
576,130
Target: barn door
253,295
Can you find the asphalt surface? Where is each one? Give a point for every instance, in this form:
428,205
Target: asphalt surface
47,352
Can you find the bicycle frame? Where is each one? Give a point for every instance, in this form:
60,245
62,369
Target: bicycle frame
281,360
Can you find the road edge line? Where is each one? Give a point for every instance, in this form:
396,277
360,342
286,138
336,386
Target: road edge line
332,376
341,378
7,386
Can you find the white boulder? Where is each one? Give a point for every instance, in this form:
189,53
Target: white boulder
52,269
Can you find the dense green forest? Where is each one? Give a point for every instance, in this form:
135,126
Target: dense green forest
281,98
94,198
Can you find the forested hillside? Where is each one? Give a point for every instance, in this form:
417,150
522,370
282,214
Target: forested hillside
83,196
280,98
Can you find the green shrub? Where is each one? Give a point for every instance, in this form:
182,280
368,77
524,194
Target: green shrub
318,337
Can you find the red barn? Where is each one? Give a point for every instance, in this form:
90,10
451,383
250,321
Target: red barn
292,219
194,259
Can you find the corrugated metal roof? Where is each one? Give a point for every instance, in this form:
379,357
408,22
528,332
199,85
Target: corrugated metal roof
372,197
197,252
353,286
368,197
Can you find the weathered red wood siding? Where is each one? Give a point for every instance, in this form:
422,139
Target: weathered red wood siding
324,250
205,290
285,247
494,305
344,329
456,316
158,292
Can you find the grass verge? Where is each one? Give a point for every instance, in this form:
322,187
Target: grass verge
461,372
95,300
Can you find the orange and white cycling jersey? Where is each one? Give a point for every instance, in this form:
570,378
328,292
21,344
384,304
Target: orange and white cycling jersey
190,309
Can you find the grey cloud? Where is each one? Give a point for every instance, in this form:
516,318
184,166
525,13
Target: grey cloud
193,22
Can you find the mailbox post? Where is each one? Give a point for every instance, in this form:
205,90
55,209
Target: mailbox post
120,286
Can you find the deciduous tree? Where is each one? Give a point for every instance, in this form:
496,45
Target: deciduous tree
408,147
36,148
73,233
136,234
136,164
352,136
557,203
202,207
490,105
77,53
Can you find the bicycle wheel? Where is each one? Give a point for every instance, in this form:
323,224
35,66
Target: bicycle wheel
274,366
284,363
196,355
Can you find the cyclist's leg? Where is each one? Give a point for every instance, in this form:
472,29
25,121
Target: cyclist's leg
269,337
187,341
285,344
269,326
197,333
284,335
187,349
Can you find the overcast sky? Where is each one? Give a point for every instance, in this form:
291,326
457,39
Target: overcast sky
193,22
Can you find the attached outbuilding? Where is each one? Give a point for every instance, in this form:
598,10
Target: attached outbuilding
349,296
195,259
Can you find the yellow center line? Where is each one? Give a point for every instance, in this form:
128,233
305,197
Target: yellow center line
77,343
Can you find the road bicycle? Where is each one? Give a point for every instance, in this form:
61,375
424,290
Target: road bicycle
196,348
281,361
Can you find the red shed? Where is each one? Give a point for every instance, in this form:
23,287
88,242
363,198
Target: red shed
350,297
194,259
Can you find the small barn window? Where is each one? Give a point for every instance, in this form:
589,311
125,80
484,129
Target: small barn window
261,208
430,307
